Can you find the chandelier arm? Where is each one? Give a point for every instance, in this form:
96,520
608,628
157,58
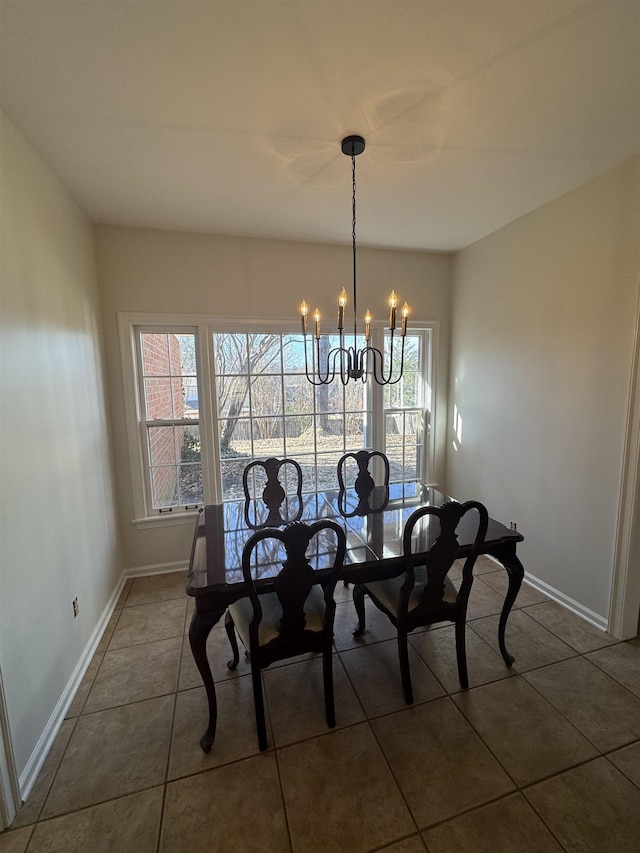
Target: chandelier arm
375,356
332,356
331,366
401,369
372,356
311,376
364,364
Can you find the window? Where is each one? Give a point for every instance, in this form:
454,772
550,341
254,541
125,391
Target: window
404,414
169,421
211,397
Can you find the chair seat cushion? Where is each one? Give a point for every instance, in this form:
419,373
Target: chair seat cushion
387,592
242,613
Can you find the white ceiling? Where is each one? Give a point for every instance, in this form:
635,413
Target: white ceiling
227,115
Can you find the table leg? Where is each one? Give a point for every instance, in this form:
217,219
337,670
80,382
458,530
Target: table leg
199,630
515,571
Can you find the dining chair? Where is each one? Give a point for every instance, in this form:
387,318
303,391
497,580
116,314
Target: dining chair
424,593
295,618
271,495
363,481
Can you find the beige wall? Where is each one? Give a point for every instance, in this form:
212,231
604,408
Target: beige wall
58,536
541,354
173,272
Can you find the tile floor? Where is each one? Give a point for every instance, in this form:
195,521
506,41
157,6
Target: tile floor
542,757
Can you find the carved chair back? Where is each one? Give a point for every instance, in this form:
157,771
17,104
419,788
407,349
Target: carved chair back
267,475
435,547
363,482
294,583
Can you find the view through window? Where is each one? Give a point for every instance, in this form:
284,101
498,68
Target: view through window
264,405
267,407
170,420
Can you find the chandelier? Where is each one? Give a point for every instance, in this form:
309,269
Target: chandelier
353,362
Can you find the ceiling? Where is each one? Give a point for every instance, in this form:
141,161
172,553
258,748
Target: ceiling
226,115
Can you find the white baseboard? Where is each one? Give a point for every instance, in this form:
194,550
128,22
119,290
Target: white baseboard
36,759
574,606
10,797
555,595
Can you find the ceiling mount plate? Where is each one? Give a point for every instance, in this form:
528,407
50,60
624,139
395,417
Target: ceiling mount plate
352,145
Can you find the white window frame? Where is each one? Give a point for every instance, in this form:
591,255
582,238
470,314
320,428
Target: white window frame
429,333
203,326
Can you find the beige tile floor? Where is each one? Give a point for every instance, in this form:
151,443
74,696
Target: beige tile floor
541,757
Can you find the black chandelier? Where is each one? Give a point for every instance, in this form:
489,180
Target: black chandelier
352,362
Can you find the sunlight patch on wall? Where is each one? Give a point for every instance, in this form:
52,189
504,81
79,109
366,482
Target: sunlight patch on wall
457,427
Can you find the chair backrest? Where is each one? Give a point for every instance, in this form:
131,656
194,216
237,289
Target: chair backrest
273,492
364,483
437,547
296,578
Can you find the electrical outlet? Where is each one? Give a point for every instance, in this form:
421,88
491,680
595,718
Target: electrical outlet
75,607
513,525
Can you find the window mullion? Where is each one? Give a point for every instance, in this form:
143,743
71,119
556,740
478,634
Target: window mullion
377,428
283,419
211,476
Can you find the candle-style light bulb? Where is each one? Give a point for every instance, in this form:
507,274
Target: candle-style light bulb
342,301
393,301
304,310
316,317
367,325
405,314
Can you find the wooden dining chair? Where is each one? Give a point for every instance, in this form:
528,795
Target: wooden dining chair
424,593
295,618
265,494
363,481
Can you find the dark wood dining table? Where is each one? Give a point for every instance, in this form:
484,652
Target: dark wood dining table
374,528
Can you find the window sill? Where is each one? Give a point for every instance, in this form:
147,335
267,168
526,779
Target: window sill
167,519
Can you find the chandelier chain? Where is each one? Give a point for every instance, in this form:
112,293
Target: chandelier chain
353,243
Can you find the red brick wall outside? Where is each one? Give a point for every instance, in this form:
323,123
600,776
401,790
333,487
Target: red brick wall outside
163,398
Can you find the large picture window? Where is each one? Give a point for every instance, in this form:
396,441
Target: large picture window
211,399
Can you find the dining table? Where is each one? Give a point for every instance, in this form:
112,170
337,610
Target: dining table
374,525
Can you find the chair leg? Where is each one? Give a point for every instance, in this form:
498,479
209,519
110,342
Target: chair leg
231,634
461,652
258,701
329,700
358,603
405,672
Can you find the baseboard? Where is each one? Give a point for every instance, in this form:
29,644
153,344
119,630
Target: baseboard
555,595
33,766
574,606
10,797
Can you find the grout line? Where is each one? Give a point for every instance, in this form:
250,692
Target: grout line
169,751
518,789
282,797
